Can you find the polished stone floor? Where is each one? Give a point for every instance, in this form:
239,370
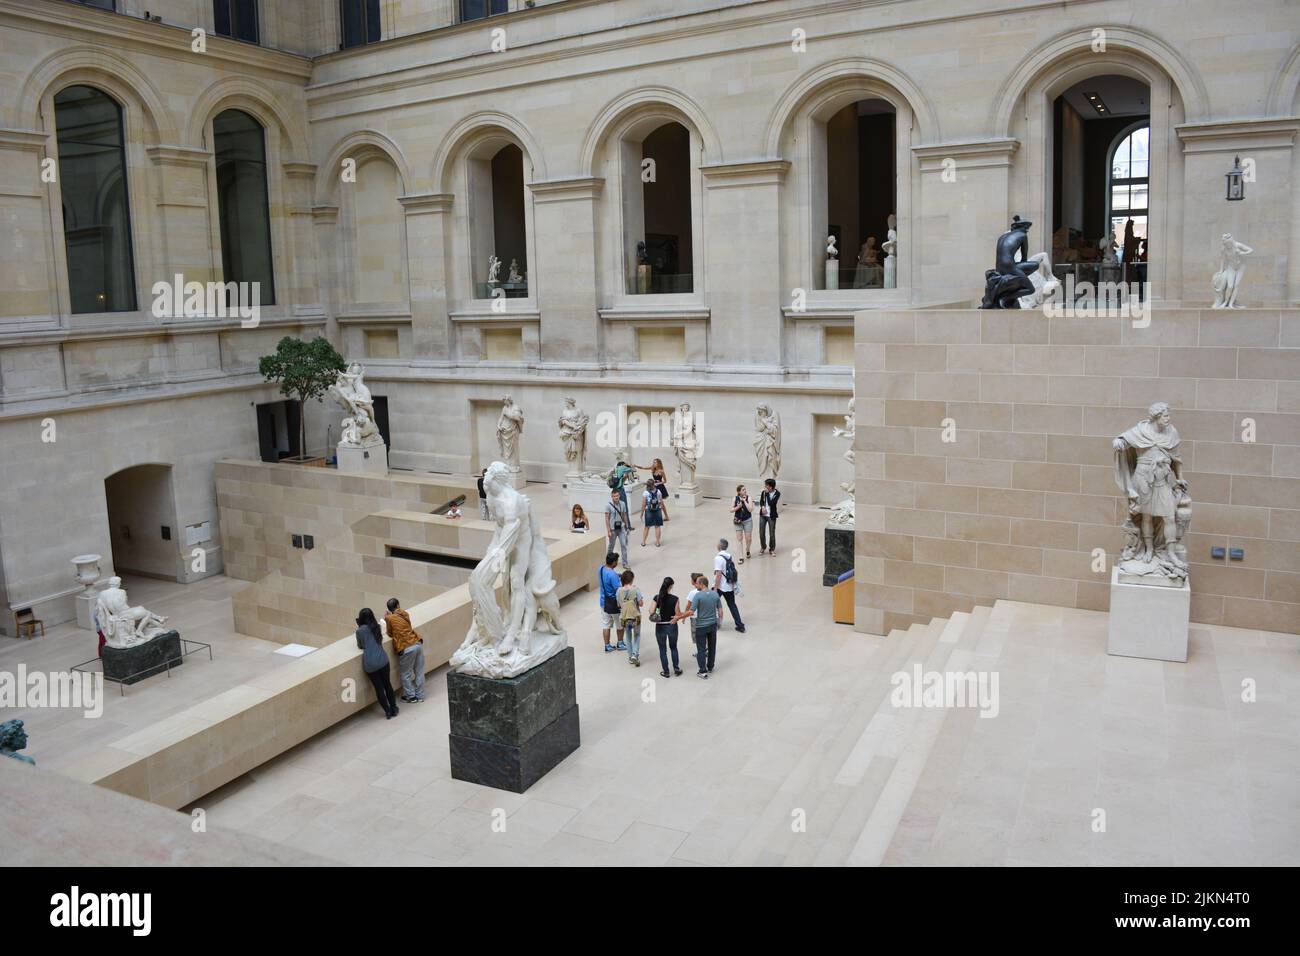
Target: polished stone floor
793,753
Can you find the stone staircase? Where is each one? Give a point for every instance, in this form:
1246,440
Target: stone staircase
869,785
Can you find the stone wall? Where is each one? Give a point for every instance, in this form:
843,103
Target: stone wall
1013,506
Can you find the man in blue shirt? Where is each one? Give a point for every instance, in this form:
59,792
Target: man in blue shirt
609,585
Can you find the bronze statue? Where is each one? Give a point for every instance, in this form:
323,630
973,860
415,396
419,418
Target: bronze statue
1009,280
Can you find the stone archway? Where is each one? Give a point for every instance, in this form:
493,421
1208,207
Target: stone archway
140,504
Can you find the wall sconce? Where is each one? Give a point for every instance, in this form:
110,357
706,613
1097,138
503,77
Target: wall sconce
1236,184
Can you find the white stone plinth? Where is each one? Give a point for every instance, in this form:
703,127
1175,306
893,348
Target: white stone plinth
516,479
593,494
85,602
687,497
363,459
832,273
1148,621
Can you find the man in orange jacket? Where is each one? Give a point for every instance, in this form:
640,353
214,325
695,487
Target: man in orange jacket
409,647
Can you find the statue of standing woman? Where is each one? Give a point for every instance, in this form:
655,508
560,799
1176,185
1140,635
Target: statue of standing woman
510,429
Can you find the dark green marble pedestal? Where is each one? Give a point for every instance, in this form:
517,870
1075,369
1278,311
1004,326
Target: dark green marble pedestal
130,664
838,553
509,733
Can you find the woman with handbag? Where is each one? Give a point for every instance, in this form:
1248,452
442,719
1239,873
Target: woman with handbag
742,516
665,613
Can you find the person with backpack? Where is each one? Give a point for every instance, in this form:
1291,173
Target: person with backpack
742,516
725,580
665,612
629,604
609,584
370,640
767,515
654,512
617,524
617,481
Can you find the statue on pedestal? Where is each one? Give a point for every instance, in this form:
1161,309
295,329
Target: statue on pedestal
767,441
1227,280
494,270
573,433
121,624
685,445
13,738
1009,279
890,247
350,391
521,628
845,511
510,428
514,275
1148,469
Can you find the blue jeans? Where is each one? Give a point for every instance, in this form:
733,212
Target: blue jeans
632,636
666,635
706,645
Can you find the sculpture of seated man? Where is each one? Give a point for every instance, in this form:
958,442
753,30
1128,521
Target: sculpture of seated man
1009,280
121,624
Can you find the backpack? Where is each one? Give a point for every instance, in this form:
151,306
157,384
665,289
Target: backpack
630,612
729,572
613,481
652,502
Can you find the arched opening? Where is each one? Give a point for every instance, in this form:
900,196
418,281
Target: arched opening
94,196
657,220
860,194
375,226
239,145
1101,179
141,508
498,222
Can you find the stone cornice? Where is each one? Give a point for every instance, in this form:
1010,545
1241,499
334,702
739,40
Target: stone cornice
325,214
32,140
135,34
761,172
651,314
417,204
299,170
165,155
1226,136
567,190
968,154
138,329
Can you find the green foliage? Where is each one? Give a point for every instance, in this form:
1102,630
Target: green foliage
304,370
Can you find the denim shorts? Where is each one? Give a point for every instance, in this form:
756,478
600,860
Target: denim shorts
746,526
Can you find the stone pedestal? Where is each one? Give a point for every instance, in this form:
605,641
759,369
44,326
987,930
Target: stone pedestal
688,497
642,279
593,494
517,479
838,551
369,459
509,733
131,664
85,602
1148,621
832,274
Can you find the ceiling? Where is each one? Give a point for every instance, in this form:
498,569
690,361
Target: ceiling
1122,96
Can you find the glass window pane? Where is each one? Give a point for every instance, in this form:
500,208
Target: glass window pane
360,21
1138,196
96,212
1119,197
240,146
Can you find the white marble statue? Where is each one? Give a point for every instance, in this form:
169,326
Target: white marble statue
510,429
494,270
1149,470
1107,246
1227,281
351,391
767,441
890,247
832,252
514,275
121,624
573,433
686,445
1045,284
518,628
844,512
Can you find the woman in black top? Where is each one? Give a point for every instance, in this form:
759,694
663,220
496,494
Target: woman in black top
664,611
578,520
767,515
374,660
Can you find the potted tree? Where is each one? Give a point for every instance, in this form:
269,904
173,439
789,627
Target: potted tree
304,370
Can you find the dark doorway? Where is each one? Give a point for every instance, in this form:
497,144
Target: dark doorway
277,430
381,419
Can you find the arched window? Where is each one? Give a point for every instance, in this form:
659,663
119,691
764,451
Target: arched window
657,211
860,194
96,210
1129,183
239,143
499,225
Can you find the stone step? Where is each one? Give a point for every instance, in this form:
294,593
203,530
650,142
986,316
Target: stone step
771,838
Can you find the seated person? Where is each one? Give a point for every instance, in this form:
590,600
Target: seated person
578,520
454,512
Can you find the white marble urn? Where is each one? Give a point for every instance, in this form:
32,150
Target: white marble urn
87,566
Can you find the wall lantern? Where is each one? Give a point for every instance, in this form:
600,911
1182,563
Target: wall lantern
1236,184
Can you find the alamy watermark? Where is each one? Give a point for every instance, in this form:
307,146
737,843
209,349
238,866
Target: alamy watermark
73,690
179,299
946,689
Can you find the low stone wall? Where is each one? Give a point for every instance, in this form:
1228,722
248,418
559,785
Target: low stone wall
1013,506
183,757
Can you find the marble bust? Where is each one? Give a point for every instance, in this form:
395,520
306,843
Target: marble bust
121,624
510,428
573,434
351,392
518,628
1227,281
832,251
13,738
767,441
1148,469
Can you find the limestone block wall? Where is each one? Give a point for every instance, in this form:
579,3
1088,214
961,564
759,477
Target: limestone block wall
1014,505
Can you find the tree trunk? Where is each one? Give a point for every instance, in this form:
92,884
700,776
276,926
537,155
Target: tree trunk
302,428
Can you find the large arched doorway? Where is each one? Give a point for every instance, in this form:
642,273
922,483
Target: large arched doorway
141,507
